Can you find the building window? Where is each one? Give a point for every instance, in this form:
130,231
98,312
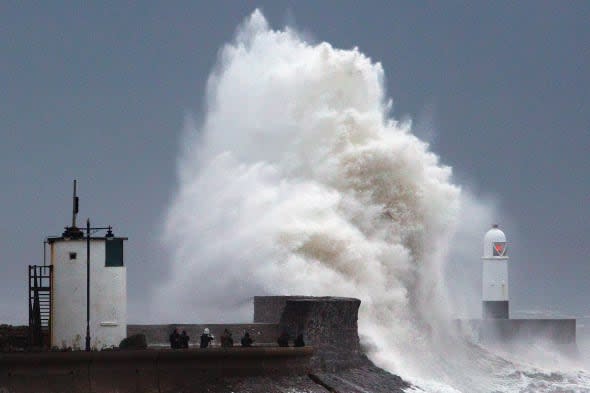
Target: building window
114,252
73,255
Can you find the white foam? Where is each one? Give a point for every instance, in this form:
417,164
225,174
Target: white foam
298,181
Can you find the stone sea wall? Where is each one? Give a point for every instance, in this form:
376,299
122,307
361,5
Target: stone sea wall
331,361
145,371
329,325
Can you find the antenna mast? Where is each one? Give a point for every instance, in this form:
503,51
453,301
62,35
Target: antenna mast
73,232
75,201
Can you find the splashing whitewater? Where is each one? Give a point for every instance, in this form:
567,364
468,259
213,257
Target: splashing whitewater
298,181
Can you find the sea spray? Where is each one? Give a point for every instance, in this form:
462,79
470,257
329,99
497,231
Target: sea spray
297,180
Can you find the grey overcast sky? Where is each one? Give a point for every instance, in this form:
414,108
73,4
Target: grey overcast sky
98,91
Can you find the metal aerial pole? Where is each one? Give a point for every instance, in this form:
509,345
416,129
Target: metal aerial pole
75,205
88,284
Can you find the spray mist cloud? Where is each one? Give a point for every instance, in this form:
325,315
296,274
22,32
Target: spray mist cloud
297,181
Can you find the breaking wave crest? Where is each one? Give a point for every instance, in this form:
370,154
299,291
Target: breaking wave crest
298,181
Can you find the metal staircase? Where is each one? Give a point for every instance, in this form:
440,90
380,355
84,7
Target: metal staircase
39,305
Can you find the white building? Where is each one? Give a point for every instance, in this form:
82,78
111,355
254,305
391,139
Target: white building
108,291
495,298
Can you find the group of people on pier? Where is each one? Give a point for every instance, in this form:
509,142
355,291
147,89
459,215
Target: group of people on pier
181,340
283,340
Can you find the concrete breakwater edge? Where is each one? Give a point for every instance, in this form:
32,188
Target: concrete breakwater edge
332,359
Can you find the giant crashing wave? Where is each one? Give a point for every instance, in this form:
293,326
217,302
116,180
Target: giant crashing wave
298,181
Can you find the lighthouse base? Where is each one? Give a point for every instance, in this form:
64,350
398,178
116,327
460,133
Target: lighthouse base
495,309
560,333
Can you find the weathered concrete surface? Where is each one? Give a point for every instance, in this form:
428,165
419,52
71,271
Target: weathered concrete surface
278,384
13,337
158,335
329,325
559,332
269,309
361,380
254,370
332,361
149,371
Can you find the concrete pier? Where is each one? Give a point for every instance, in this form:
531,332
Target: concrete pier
331,360
557,332
144,370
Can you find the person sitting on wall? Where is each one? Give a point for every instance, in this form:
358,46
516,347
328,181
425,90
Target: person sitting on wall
175,339
184,339
206,338
226,339
299,341
247,340
283,339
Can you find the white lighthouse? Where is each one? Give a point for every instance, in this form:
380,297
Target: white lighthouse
88,291
495,275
